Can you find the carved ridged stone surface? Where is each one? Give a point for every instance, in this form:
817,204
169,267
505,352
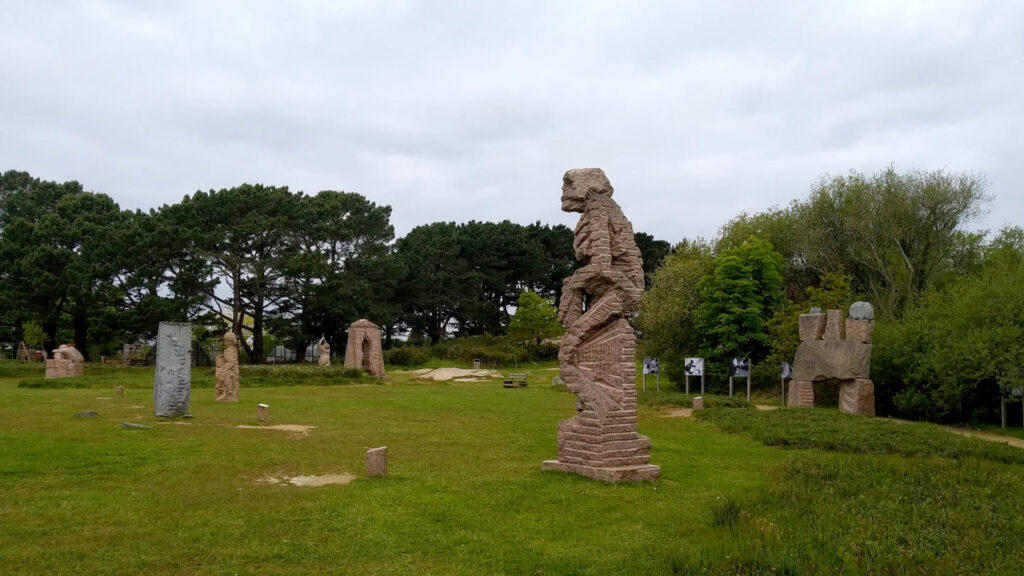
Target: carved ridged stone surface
226,373
597,357
172,379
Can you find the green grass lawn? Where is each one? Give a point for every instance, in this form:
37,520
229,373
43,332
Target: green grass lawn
465,494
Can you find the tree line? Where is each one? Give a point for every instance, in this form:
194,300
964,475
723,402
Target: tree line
274,265
949,311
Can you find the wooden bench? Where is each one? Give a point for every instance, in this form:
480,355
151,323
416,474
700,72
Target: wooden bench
515,380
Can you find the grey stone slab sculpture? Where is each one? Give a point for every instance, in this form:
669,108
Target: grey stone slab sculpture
597,359
172,382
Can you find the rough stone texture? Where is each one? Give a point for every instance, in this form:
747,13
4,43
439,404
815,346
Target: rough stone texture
377,462
812,326
87,414
67,362
698,403
859,330
172,381
844,355
862,311
227,370
119,391
363,350
134,426
262,414
801,393
324,356
597,356
832,359
857,397
834,328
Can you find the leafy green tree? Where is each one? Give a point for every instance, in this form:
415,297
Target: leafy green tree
536,318
737,298
894,234
668,310
245,234
341,270
58,251
653,253
949,358
438,283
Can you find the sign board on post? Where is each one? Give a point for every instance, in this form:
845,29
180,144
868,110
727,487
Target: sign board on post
787,372
651,367
694,367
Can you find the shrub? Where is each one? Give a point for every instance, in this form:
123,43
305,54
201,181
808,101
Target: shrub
407,356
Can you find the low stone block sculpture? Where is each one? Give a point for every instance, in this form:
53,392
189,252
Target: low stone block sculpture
226,372
262,414
377,462
119,391
172,381
698,403
833,350
67,362
597,359
363,350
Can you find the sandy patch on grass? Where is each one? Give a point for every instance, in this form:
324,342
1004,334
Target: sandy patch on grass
321,480
764,407
292,428
678,413
104,398
457,375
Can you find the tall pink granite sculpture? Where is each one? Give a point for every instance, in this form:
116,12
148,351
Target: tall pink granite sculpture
67,362
597,357
226,372
363,350
833,350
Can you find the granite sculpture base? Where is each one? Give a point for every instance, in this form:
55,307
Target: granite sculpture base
614,475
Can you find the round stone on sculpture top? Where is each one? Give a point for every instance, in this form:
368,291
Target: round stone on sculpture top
862,311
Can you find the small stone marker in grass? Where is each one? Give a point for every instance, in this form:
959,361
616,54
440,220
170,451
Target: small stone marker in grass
87,414
698,403
119,391
263,413
134,426
377,462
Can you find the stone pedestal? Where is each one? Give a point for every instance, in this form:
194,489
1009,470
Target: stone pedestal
119,391
172,380
377,462
801,393
857,397
262,414
698,403
613,474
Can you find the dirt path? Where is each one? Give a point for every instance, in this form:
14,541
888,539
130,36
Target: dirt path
1012,441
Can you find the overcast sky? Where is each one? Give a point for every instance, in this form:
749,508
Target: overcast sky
474,110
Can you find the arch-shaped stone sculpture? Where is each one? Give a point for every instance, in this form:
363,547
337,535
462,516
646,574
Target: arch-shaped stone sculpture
832,350
363,349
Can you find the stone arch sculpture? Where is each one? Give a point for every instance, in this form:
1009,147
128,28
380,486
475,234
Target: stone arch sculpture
363,350
833,350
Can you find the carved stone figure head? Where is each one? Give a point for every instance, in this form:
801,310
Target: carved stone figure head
230,339
582,184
